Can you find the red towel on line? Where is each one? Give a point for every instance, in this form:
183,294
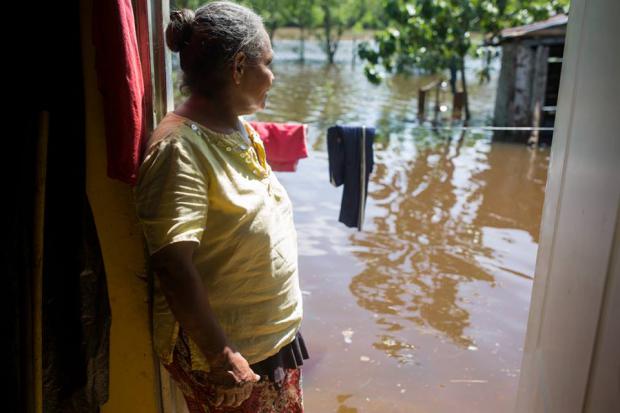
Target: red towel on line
285,144
119,76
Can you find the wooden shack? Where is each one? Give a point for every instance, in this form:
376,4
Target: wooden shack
529,79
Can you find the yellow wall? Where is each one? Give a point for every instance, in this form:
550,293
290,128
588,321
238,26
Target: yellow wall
132,371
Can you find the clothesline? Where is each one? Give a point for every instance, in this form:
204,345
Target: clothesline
481,127
490,128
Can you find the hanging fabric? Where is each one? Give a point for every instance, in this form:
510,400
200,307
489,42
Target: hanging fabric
351,160
119,76
285,144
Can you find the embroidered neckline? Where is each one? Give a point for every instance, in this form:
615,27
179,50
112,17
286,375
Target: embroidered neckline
189,122
230,142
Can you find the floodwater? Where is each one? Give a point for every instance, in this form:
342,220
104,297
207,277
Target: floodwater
424,310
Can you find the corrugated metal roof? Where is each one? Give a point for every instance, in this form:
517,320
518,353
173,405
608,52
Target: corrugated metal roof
531,29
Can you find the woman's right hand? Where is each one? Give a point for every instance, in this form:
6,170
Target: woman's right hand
230,374
232,378
231,368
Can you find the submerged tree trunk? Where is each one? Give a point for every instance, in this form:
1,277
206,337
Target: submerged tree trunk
331,41
327,27
464,83
453,76
302,43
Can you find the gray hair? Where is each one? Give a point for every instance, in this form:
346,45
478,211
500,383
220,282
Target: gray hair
209,39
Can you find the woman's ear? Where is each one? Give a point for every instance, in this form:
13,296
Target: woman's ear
238,67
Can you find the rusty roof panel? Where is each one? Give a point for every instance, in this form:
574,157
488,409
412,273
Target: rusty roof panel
549,27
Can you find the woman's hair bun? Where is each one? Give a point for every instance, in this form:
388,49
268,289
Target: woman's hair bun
179,30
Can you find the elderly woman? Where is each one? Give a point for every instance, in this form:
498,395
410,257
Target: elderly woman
219,226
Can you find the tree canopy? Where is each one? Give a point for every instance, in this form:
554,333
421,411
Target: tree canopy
327,19
436,35
430,35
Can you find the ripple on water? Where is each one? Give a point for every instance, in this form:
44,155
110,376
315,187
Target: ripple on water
436,288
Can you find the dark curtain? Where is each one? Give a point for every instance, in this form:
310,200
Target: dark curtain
46,75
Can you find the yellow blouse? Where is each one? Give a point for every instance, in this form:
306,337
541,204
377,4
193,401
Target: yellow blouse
216,190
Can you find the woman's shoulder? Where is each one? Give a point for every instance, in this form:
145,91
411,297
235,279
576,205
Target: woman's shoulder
172,147
172,130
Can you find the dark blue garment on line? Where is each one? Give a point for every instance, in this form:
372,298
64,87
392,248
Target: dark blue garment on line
351,161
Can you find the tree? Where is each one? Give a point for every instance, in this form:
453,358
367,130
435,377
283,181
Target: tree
302,14
273,12
338,16
435,35
332,20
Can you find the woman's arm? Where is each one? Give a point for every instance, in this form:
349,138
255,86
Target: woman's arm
185,294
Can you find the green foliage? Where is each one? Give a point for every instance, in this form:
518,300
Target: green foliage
303,13
186,4
275,13
434,35
331,17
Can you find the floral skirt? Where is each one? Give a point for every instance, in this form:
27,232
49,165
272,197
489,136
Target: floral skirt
268,395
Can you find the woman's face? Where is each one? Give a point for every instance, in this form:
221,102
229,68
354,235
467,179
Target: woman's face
252,79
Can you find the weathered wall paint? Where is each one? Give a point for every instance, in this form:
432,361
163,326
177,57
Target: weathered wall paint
132,374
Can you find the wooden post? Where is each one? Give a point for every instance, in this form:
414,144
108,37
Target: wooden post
539,83
535,135
422,93
521,109
458,99
436,114
421,104
163,97
505,85
38,247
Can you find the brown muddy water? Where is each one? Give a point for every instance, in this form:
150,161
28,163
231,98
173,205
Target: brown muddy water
425,310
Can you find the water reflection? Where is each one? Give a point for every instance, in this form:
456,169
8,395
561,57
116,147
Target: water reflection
439,281
321,96
437,205
342,408
444,265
